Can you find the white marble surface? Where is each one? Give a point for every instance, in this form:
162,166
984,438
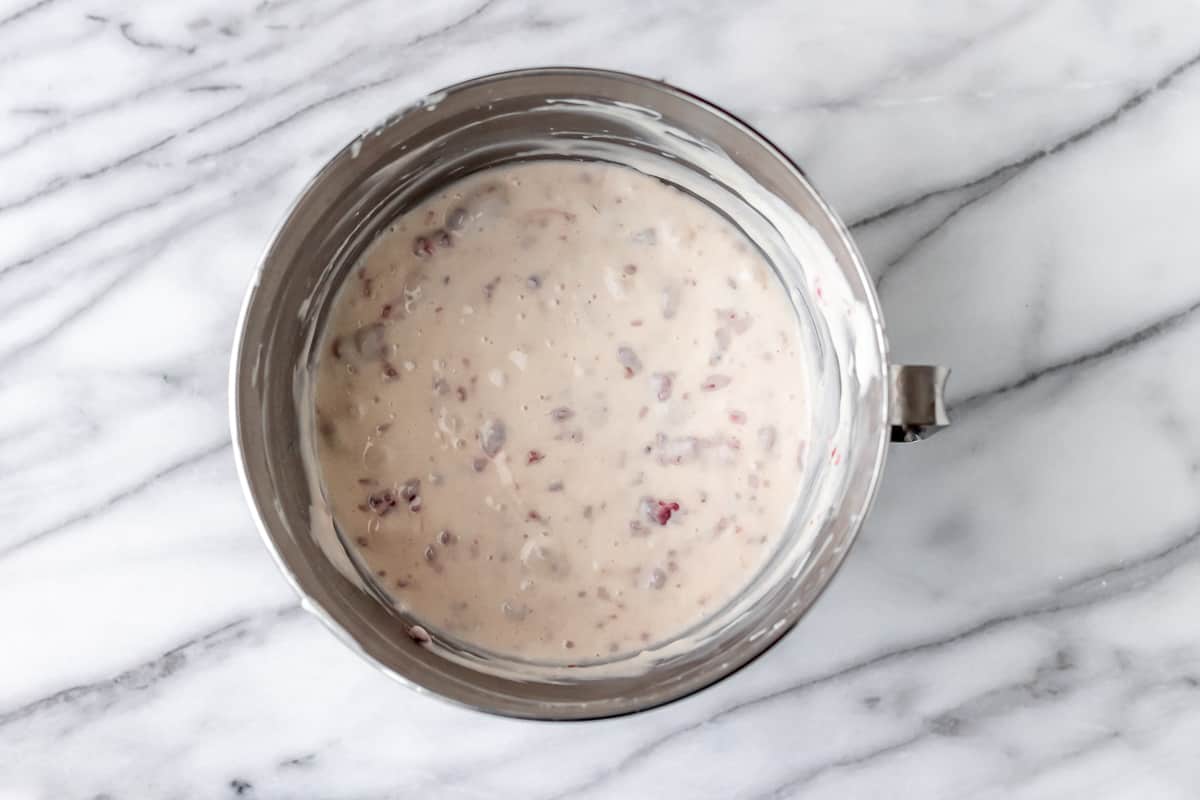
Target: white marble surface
1019,616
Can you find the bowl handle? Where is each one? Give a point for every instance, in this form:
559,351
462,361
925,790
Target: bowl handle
918,404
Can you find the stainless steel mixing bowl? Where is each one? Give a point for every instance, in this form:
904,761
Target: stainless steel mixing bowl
858,402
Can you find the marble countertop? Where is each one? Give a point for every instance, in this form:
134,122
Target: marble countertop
1018,617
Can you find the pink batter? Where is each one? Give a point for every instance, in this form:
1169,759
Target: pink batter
560,409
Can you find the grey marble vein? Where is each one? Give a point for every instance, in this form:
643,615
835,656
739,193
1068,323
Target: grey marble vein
1148,332
98,225
21,13
998,177
129,35
794,783
61,182
175,467
91,699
